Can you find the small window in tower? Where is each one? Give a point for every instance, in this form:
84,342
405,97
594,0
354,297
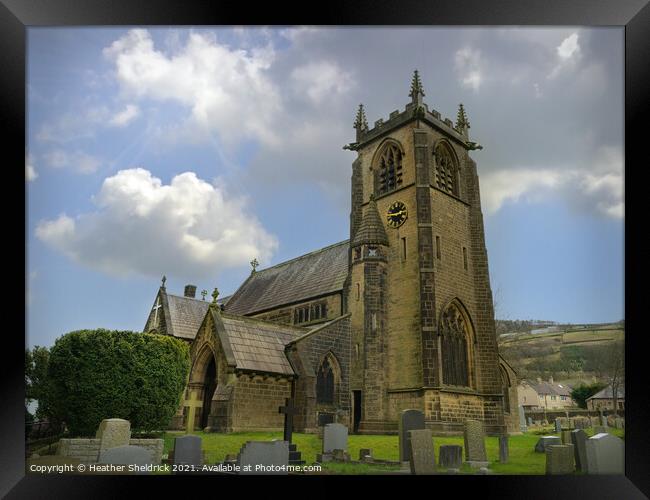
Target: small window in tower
403,248
465,258
372,251
438,247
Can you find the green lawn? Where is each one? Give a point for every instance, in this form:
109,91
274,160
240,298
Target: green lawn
523,459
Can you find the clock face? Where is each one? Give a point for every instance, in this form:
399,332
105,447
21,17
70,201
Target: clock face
396,214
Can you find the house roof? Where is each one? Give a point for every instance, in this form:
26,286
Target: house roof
607,393
554,389
186,315
315,274
259,345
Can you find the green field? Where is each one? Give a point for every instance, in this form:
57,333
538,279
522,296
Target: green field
523,459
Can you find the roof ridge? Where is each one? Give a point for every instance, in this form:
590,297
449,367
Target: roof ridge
303,256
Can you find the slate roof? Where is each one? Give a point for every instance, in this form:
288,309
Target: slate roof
551,388
186,315
311,275
259,345
607,393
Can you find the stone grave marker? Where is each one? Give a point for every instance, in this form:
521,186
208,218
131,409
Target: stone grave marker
127,455
558,425
601,429
335,437
187,450
579,441
113,432
619,423
365,455
423,456
605,454
264,457
559,459
451,456
565,435
474,438
410,420
544,441
522,419
611,420
504,452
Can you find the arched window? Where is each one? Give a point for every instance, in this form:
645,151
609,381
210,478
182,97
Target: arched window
505,385
445,170
325,382
389,169
454,344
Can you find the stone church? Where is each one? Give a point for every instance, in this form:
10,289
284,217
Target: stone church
399,316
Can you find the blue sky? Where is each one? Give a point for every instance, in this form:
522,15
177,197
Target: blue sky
187,152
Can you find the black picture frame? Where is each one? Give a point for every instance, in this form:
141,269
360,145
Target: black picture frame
633,15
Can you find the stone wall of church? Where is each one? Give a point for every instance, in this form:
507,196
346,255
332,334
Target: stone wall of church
286,315
307,356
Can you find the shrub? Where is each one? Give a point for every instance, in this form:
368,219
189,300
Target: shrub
98,374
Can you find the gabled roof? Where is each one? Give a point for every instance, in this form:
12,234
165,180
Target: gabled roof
554,389
186,315
312,275
607,393
258,345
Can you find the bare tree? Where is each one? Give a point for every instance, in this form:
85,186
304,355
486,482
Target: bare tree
608,363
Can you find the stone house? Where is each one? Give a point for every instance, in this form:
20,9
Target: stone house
399,316
604,400
544,394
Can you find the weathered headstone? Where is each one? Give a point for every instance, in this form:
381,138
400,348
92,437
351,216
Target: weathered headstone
601,429
504,451
128,455
113,432
544,441
423,456
335,437
579,441
365,454
559,459
187,450
451,456
522,419
611,420
619,423
605,454
558,425
410,420
530,420
565,435
264,457
603,419
474,438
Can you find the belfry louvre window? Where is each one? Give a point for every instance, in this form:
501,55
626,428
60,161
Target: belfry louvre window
325,383
389,169
445,170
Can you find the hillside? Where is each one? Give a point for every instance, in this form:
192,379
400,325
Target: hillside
568,353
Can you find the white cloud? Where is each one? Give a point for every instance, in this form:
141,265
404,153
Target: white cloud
468,68
225,90
77,161
73,126
321,80
30,170
568,53
599,184
143,226
126,116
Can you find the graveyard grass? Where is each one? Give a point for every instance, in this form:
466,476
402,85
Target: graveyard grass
522,460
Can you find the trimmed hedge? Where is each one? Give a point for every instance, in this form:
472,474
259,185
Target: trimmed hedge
98,374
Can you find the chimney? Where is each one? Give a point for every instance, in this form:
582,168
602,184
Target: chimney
550,380
190,291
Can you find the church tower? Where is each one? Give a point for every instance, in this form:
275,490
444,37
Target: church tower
418,289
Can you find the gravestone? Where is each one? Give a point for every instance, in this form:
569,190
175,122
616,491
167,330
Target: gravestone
530,420
335,437
127,455
522,419
451,456
410,420
559,459
611,420
423,456
605,454
264,457
579,441
603,419
504,451
544,441
619,423
594,421
601,429
474,438
365,454
566,436
558,425
187,451
113,432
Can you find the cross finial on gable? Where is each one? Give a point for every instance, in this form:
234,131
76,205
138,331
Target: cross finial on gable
215,294
417,91
164,279
254,265
204,293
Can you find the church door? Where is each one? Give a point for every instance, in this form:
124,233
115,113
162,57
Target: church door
210,384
